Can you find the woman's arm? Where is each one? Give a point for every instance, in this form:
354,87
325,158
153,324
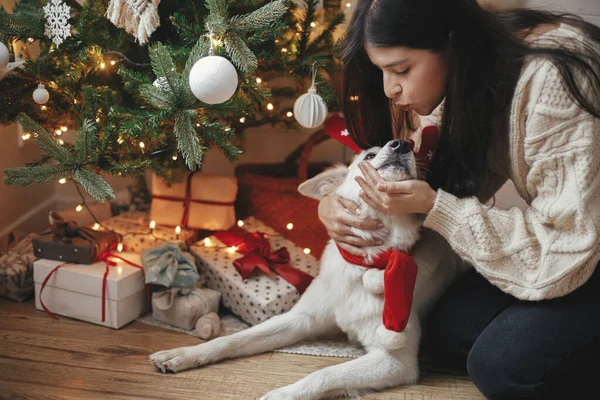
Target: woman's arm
551,248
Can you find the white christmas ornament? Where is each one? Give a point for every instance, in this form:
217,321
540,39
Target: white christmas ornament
4,56
309,109
213,79
41,95
57,21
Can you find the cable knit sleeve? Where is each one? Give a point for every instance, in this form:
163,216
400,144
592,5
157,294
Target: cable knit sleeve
552,247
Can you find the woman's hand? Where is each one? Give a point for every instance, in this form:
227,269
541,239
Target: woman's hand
339,215
394,198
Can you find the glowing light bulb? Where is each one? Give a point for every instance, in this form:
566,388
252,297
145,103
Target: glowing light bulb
61,142
242,120
174,157
58,132
26,136
306,251
207,242
79,208
270,107
177,231
152,224
113,62
290,226
63,128
142,145
313,24
96,226
232,249
240,223
289,114
348,5
120,248
284,50
258,80
102,65
62,181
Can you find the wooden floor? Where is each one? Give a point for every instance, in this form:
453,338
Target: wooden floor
41,358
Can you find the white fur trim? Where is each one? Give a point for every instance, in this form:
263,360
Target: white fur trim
389,339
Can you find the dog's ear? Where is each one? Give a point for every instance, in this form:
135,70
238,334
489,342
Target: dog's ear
324,183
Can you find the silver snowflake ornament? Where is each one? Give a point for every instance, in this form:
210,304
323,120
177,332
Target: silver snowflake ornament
57,21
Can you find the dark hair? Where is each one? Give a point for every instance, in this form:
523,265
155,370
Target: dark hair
486,54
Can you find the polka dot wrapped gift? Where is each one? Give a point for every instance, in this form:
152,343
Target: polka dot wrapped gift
252,289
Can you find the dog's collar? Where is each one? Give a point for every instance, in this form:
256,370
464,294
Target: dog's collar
399,280
380,262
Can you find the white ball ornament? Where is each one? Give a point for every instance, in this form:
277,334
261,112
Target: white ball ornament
4,56
213,79
41,95
310,110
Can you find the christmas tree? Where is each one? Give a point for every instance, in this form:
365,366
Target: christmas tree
132,77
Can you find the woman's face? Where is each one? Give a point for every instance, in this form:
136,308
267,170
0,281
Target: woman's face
414,78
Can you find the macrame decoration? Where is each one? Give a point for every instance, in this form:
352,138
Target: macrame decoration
138,17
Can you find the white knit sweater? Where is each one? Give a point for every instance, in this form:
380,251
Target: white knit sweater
552,247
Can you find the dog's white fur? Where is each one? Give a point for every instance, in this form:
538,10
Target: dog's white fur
345,297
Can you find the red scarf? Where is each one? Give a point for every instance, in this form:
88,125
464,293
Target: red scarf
399,284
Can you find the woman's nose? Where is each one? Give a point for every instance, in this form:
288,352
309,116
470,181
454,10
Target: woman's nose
390,86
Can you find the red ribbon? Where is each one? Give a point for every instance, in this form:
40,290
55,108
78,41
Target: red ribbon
257,254
109,263
399,281
187,200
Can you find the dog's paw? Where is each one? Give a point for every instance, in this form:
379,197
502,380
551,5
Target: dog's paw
373,281
175,360
283,393
391,340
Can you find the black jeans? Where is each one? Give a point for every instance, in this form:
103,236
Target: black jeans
514,349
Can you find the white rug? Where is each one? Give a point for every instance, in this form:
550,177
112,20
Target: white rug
338,347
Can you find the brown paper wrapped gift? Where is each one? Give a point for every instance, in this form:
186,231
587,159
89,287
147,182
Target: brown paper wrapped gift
199,201
67,242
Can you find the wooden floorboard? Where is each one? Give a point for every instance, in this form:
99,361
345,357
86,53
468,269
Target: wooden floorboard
41,358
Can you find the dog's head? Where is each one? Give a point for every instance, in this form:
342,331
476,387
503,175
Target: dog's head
394,162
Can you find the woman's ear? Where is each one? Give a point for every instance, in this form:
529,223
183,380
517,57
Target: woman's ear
324,183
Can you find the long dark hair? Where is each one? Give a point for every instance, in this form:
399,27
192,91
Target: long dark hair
487,51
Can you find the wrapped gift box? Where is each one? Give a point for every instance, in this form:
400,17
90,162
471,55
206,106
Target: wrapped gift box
199,201
75,290
136,236
260,296
16,270
83,249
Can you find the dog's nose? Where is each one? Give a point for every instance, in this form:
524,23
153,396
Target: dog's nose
401,146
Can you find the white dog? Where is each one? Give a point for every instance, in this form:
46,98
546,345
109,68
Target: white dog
346,297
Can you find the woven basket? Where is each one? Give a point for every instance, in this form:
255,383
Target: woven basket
270,193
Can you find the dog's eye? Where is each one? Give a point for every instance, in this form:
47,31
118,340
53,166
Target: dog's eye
369,156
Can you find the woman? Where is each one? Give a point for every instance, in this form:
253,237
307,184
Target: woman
518,98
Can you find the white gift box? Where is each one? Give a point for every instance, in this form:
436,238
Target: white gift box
75,290
261,296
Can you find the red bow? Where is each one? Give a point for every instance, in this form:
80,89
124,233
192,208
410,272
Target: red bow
109,263
399,281
257,254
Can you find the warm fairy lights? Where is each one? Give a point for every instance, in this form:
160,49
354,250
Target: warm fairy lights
79,208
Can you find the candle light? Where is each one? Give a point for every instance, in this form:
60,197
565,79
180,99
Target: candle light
177,232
